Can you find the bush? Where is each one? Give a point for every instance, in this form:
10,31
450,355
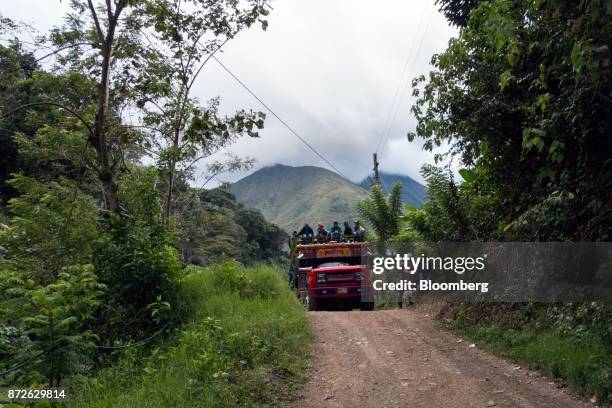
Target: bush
52,225
49,291
138,264
244,342
566,341
45,326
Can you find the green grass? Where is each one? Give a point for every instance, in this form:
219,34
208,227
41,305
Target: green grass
244,341
583,363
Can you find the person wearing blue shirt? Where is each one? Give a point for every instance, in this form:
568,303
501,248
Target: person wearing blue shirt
335,232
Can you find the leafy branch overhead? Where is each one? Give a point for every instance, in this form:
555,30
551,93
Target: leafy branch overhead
523,98
181,130
141,61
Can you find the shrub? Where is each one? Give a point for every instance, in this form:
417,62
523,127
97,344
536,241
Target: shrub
244,342
53,225
46,326
138,264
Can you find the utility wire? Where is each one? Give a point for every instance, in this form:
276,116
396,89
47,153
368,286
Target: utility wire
278,117
399,102
16,367
385,188
399,85
55,346
137,343
22,364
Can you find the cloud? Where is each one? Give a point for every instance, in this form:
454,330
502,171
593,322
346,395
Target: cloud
329,68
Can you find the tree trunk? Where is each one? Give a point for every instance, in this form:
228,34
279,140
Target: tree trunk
100,141
170,186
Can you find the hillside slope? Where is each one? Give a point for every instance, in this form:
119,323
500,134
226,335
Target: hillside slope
413,192
290,196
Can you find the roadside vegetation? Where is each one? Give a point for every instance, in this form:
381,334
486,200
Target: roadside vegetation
244,341
522,97
570,342
104,212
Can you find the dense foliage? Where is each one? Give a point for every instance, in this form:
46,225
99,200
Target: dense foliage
244,341
93,241
219,227
523,97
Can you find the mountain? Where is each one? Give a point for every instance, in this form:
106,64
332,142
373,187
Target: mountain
413,192
290,196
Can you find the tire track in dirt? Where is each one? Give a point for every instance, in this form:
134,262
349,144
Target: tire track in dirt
400,358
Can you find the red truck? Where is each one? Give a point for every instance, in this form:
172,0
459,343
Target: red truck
332,274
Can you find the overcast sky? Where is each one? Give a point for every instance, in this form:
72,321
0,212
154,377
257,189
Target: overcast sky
329,68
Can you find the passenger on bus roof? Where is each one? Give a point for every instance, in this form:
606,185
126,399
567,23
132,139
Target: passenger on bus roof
306,231
321,233
348,232
358,230
335,232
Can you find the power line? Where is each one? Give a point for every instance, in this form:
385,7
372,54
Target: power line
399,101
278,117
418,51
22,364
54,347
398,87
138,343
385,188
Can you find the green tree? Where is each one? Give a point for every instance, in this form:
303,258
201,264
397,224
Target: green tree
449,214
264,240
12,58
50,323
134,54
382,214
53,225
23,83
59,312
136,258
216,226
522,96
182,131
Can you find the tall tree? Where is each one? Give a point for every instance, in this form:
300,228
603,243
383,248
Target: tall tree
143,56
182,130
99,36
523,96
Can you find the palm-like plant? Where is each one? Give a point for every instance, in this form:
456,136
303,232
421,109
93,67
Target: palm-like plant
382,214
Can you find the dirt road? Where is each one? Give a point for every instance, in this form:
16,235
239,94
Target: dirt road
400,358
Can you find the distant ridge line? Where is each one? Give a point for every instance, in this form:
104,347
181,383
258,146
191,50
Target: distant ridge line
290,196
